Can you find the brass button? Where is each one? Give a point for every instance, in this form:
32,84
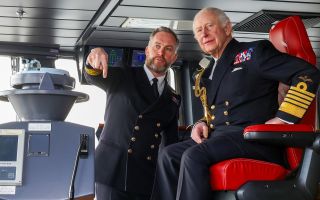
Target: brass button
225,113
212,107
133,139
152,146
226,103
148,157
156,135
158,124
212,117
227,123
136,128
130,151
211,126
140,116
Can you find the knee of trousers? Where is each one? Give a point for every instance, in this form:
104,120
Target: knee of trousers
194,155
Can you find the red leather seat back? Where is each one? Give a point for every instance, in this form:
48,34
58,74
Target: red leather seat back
290,36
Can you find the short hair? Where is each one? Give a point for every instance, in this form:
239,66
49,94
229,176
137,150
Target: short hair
223,18
167,30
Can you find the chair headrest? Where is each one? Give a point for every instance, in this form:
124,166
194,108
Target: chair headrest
290,36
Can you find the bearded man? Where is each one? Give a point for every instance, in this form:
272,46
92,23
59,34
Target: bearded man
141,116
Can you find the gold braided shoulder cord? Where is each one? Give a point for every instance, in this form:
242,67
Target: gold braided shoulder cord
202,93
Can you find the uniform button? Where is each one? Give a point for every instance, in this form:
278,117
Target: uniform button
140,116
130,151
212,117
148,157
227,123
225,113
211,126
156,135
212,107
158,124
136,128
133,139
152,146
226,103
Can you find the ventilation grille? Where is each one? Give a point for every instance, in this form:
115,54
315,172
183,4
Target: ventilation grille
263,20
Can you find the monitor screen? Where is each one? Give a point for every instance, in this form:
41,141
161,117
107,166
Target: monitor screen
8,147
138,58
11,156
115,55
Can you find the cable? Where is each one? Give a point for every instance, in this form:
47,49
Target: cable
74,172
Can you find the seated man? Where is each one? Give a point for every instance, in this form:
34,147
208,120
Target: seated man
242,89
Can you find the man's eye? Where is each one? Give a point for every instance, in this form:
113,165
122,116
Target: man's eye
209,26
170,49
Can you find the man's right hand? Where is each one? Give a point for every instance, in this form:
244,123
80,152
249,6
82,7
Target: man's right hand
199,132
98,59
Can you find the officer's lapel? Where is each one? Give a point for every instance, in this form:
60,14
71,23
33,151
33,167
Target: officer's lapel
213,85
162,100
220,71
144,86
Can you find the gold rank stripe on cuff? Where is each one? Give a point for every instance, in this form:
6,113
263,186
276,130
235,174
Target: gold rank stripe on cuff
93,72
297,101
304,93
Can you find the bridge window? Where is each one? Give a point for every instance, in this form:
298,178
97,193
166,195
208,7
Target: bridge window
7,112
96,104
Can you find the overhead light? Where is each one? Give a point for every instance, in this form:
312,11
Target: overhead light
155,23
183,25
145,23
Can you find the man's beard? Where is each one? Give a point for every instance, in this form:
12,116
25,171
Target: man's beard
157,69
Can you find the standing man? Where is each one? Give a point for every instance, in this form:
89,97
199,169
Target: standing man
242,89
140,117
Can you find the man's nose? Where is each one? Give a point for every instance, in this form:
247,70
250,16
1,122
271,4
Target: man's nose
160,51
204,32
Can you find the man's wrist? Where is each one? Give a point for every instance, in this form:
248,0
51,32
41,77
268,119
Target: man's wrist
199,121
91,71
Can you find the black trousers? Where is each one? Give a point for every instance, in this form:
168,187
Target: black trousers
183,168
105,192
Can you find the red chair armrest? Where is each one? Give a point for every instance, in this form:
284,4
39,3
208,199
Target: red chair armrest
293,135
279,128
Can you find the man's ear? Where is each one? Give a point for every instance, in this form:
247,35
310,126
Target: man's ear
228,28
175,56
146,51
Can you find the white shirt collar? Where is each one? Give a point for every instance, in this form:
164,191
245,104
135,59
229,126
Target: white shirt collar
214,66
160,79
150,75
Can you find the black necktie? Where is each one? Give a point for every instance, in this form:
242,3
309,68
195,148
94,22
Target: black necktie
155,87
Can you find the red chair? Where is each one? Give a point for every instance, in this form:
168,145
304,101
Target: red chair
257,180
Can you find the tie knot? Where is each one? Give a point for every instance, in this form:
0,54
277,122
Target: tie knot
155,80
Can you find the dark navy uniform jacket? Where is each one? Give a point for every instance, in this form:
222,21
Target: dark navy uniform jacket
244,87
136,125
